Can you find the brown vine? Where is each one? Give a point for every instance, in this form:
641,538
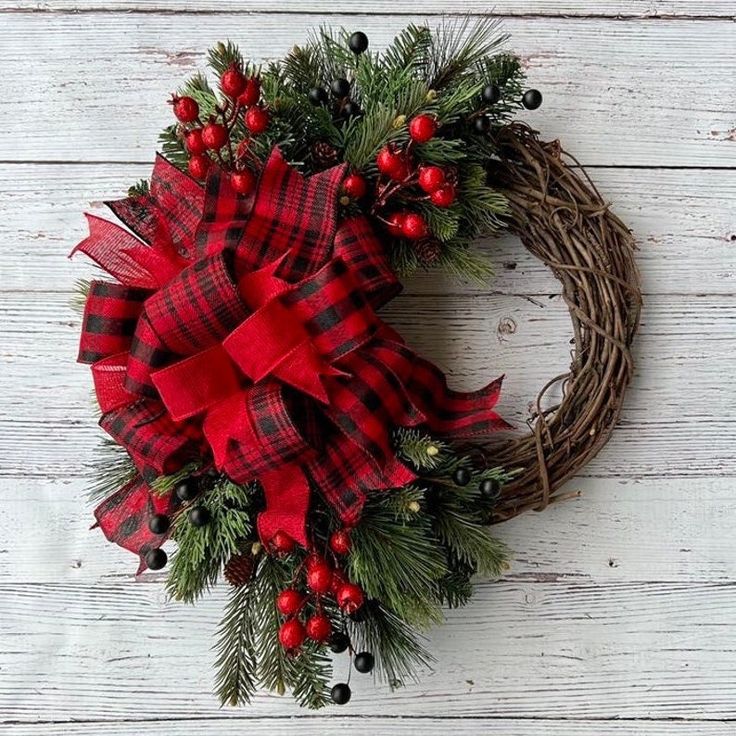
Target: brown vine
561,218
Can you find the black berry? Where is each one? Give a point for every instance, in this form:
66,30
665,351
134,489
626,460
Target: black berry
340,693
358,42
364,662
532,99
339,642
491,94
461,476
187,489
351,110
159,524
199,516
340,88
156,559
489,488
482,124
318,96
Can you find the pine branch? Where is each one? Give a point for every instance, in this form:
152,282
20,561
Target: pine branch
113,469
202,551
396,646
235,679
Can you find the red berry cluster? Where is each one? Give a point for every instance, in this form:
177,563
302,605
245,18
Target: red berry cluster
399,171
316,579
206,141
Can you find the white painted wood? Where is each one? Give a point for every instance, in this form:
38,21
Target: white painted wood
566,649
614,9
616,616
684,221
677,530
634,93
370,726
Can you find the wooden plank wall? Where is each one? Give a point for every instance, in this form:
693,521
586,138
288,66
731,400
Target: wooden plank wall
617,614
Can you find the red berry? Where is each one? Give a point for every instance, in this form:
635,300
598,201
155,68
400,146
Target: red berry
232,81
401,172
422,128
186,109
349,597
313,560
319,627
292,634
198,166
193,141
431,178
338,580
214,136
256,119
355,186
243,182
340,542
394,224
252,92
443,197
319,578
389,161
414,226
289,601
282,543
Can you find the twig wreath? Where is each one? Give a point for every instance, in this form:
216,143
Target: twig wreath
264,417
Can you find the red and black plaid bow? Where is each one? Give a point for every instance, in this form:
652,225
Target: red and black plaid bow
245,330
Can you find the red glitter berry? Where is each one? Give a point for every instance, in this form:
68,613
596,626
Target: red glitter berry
282,543
394,223
198,166
243,182
443,197
349,597
422,128
389,161
186,109
193,141
319,578
355,186
232,81
289,602
313,560
431,178
319,627
251,93
256,120
340,542
214,136
292,634
414,226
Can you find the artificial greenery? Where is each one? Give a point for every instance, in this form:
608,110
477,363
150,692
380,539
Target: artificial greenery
441,72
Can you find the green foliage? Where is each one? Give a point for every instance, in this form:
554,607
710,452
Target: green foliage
202,551
441,72
420,450
79,297
113,469
395,557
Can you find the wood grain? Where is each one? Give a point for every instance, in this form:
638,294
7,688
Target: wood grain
684,221
618,9
604,82
676,530
371,725
566,649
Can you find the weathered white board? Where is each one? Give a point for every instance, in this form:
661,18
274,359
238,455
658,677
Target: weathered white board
617,615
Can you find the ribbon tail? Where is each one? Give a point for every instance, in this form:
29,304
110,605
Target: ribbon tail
287,502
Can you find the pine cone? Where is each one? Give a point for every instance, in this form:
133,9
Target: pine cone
324,154
239,569
428,251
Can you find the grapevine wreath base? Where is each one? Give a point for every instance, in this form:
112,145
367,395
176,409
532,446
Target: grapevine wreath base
261,414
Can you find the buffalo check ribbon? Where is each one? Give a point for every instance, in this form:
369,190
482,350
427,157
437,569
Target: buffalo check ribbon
244,329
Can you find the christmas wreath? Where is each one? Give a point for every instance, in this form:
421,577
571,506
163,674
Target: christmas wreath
265,418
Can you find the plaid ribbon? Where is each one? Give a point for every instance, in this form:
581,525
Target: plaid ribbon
245,328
